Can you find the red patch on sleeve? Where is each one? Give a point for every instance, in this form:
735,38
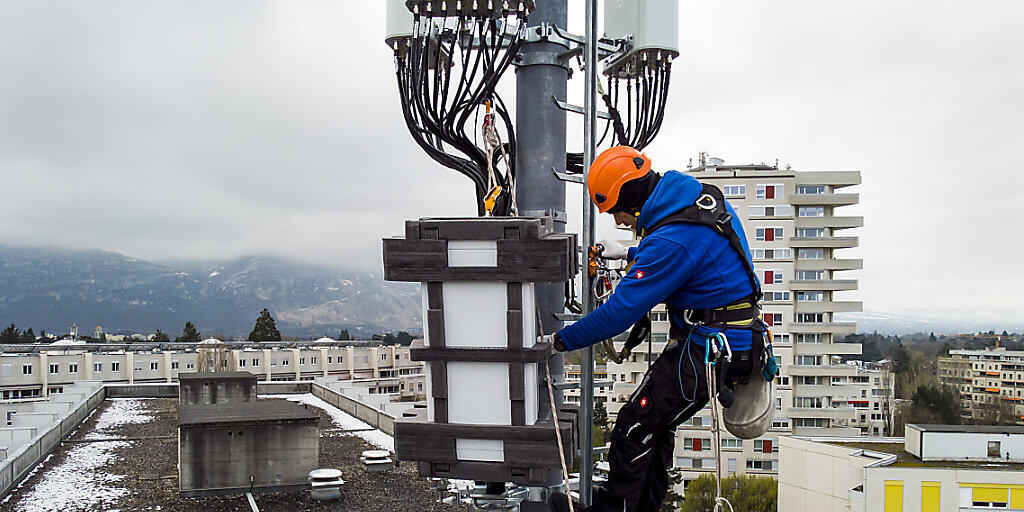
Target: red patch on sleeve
643,402
639,274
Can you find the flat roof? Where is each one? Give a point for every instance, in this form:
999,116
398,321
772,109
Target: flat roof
243,412
907,460
215,376
970,429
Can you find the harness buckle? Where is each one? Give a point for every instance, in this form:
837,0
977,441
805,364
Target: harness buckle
712,203
724,219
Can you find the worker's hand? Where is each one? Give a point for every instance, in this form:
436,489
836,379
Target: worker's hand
613,250
557,344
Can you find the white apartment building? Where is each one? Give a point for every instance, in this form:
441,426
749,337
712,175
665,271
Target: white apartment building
47,369
795,234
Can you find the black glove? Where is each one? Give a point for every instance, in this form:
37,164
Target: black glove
558,344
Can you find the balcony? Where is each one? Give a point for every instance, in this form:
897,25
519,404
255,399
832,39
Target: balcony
842,328
827,199
821,370
833,178
813,349
833,242
822,284
829,306
824,412
830,264
830,222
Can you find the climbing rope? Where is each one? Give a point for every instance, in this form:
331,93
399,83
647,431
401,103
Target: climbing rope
554,412
716,432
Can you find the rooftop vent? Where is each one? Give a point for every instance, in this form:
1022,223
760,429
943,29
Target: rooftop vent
377,460
325,484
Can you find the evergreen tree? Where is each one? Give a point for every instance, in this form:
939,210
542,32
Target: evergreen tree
161,336
42,333
28,336
189,334
932,338
103,337
404,338
10,335
265,328
344,336
600,415
672,498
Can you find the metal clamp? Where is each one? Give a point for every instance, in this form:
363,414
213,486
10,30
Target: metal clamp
577,109
564,176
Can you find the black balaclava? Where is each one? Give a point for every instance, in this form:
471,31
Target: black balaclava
634,194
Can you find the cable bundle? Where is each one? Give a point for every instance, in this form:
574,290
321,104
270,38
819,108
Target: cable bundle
447,72
636,108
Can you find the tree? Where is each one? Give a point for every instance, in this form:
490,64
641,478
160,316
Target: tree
932,338
189,334
10,335
944,351
404,338
344,336
745,493
265,328
28,336
673,499
103,337
161,336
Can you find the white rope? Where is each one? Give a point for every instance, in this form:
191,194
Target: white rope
558,433
720,502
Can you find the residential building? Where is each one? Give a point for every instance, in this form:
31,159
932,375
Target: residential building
46,369
990,383
795,233
935,468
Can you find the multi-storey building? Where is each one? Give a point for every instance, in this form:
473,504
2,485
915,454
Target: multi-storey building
990,383
39,370
795,232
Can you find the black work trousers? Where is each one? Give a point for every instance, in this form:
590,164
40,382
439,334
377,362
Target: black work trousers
642,441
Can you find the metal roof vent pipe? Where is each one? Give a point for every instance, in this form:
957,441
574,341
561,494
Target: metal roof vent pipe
325,484
376,460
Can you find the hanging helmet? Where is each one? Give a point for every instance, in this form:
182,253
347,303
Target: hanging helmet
751,413
612,169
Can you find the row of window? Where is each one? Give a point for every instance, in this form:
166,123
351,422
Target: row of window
774,233
773,191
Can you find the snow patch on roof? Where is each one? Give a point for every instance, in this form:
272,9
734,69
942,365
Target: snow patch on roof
344,420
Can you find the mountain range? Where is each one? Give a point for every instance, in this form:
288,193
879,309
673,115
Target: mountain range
52,288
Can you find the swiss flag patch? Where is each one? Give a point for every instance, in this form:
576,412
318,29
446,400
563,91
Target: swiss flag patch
643,402
639,274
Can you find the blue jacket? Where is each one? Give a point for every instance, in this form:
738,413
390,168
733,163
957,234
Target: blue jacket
686,266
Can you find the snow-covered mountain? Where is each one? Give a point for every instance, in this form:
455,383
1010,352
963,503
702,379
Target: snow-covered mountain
939,321
49,288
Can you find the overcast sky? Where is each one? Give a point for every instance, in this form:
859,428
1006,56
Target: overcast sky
168,130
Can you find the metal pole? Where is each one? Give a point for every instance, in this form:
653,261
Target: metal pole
589,147
540,147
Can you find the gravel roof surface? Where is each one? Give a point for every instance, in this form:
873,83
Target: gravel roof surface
141,474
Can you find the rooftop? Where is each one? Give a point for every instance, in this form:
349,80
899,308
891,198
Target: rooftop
215,376
970,429
894,446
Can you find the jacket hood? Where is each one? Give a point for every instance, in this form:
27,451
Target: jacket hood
673,192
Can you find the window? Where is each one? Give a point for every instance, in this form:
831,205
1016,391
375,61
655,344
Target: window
759,465
97,367
302,360
765,446
383,357
773,254
811,254
810,189
732,443
771,211
806,380
189,366
812,338
810,318
54,368
783,423
154,365
811,422
776,296
734,190
810,275
241,363
810,402
73,368
26,369
696,444
783,380
810,232
659,337
330,359
659,316
284,362
772,319
174,365
993,449
769,191
255,362
810,296
312,360
768,234
805,360
810,211
780,339
772,277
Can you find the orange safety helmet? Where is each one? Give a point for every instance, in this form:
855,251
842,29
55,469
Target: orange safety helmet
612,169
